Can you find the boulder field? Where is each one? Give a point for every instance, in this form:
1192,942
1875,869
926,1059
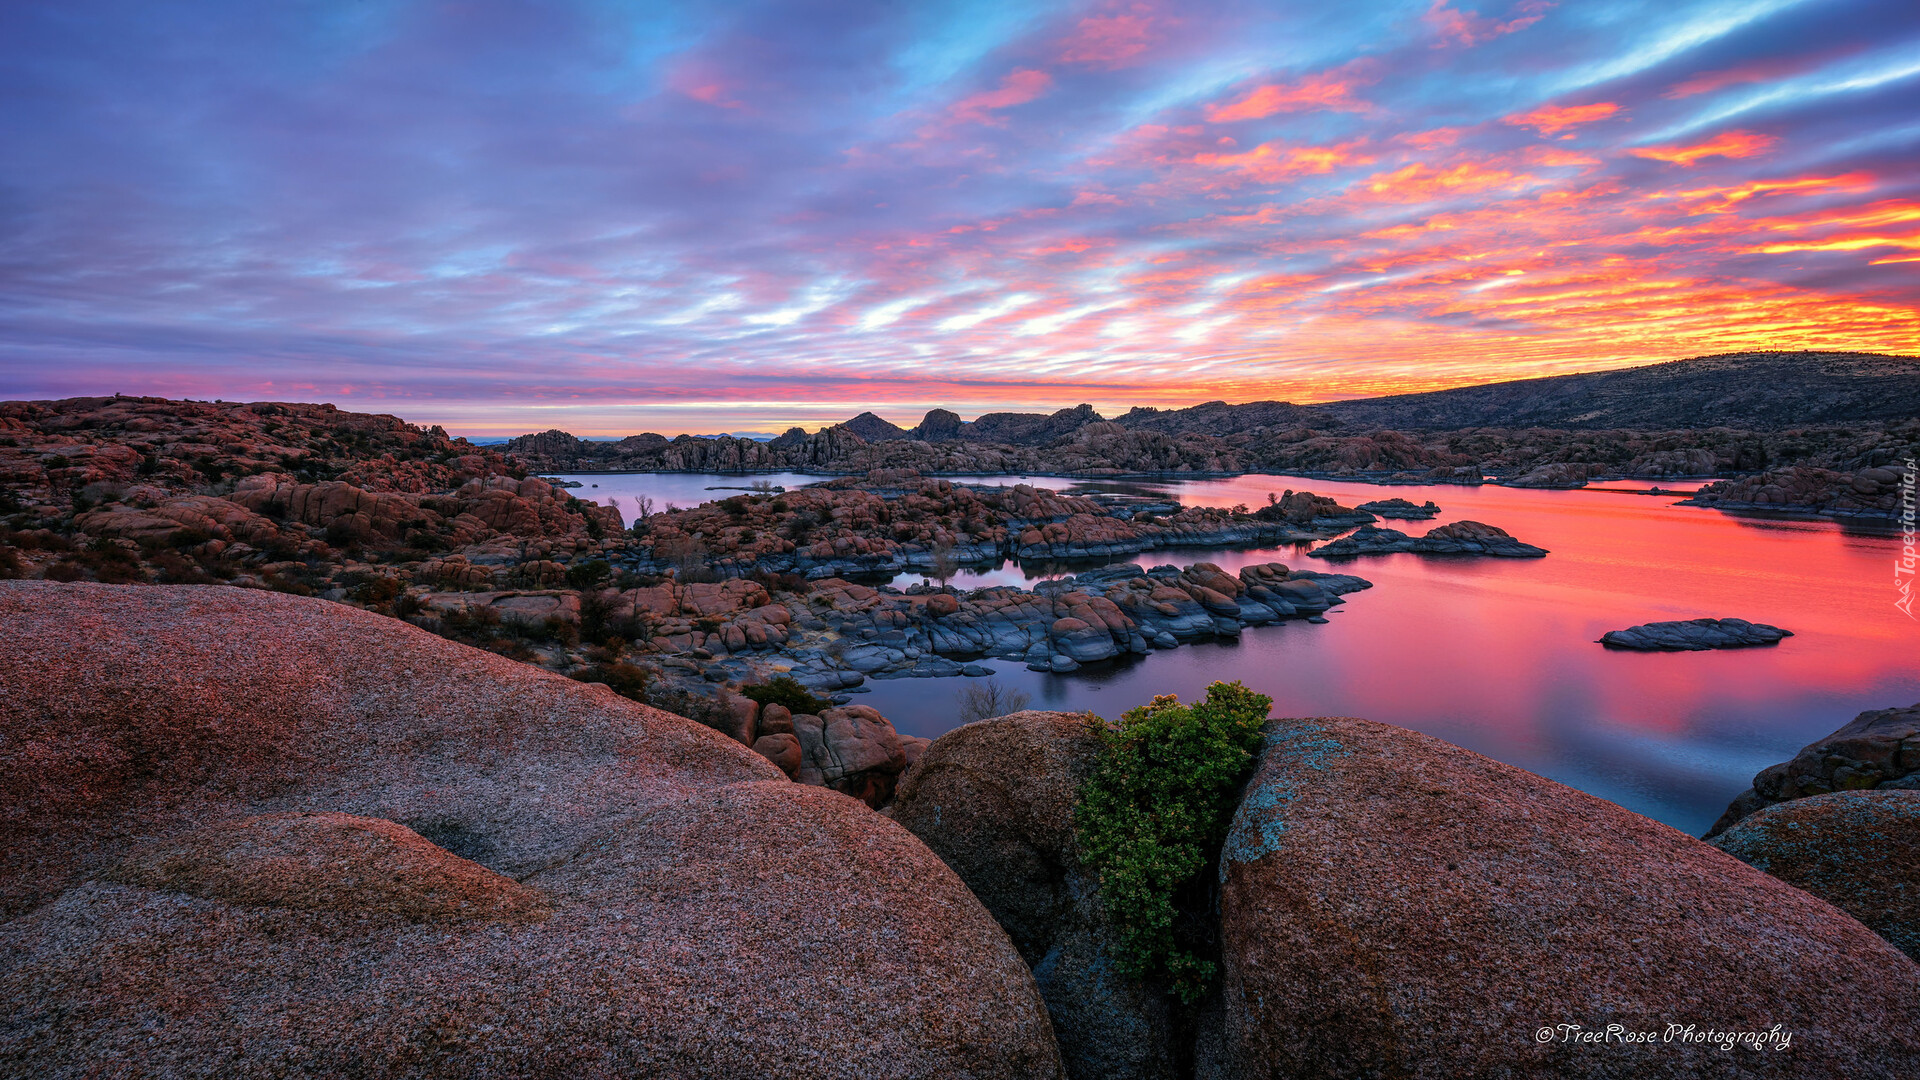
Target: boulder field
1391,905
250,834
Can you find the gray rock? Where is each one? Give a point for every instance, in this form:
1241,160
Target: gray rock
1459,538
1694,635
1877,748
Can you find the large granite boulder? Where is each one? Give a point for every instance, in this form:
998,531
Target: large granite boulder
1879,748
1857,850
1395,906
249,834
1694,635
995,800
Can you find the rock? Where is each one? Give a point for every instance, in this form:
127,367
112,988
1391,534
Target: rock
995,801
776,720
1878,748
1392,905
328,862
1400,509
1558,474
783,749
1694,635
1857,850
249,760
852,749
1458,538
915,748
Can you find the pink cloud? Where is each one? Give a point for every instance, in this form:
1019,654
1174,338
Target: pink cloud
1110,40
1323,91
1733,144
1017,88
1465,28
1553,119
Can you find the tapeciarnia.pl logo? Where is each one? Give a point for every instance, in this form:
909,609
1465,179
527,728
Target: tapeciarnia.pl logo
1903,567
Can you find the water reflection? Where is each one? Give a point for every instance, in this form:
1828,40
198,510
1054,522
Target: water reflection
1499,655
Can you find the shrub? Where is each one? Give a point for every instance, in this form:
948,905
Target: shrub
589,575
787,691
1150,822
626,680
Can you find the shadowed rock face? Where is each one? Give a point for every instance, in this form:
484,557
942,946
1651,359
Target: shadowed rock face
1857,850
1879,748
995,800
249,834
1396,906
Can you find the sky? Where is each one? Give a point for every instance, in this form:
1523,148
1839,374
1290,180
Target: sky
613,217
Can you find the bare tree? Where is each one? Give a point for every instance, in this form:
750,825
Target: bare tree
944,566
986,699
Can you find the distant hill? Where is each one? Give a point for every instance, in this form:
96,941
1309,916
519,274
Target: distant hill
1757,390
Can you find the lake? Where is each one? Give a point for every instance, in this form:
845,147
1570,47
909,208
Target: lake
1499,655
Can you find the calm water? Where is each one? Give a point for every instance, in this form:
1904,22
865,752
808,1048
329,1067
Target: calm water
1498,655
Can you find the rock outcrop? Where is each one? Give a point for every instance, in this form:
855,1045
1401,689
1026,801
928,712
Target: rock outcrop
1879,748
1395,906
995,800
1458,538
1810,490
1857,850
254,834
1400,509
1694,635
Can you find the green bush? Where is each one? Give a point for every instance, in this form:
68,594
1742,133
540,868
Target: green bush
787,691
1151,819
591,574
624,679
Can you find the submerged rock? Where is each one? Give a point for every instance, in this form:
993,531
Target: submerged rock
1392,905
1694,635
1458,538
1857,850
1879,748
254,834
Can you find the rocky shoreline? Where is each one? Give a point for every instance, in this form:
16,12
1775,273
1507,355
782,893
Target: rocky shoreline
381,852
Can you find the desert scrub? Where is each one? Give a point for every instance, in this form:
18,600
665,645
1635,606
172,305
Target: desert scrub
1150,821
787,691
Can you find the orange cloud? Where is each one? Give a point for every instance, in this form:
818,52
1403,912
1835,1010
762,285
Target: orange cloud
1725,200
1109,40
1271,161
1017,88
1733,144
1469,28
1314,91
1553,119
1419,182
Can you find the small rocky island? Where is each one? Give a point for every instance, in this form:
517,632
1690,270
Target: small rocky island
1400,509
1458,538
1694,635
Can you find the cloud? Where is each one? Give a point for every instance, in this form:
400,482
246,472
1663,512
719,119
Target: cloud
1323,91
1464,28
1732,144
1018,88
1553,119
1110,40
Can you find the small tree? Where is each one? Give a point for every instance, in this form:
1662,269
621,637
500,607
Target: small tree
1151,820
986,699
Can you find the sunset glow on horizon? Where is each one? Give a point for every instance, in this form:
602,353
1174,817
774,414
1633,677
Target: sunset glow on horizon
509,216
